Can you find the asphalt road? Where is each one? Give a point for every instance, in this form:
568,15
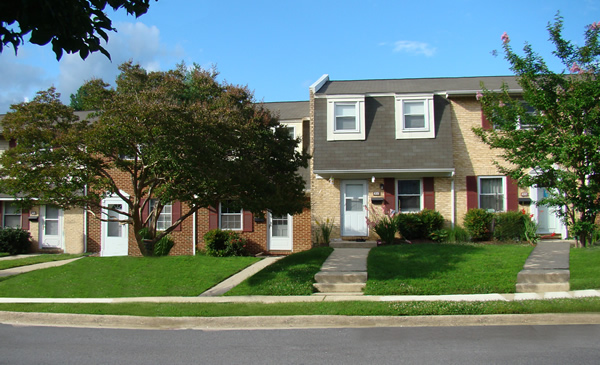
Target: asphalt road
565,344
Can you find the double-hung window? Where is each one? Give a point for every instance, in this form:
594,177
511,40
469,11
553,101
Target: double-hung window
165,218
414,116
492,193
231,216
12,215
345,118
409,196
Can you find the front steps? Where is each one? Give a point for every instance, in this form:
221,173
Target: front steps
535,281
546,268
344,272
353,244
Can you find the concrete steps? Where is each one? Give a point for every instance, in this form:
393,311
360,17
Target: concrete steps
344,272
534,281
546,269
353,244
355,288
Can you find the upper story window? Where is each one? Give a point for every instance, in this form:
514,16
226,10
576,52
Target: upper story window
345,118
165,218
492,193
409,196
414,116
231,216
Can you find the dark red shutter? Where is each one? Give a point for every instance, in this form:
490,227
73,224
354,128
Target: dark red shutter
176,214
213,218
247,221
512,194
428,193
485,123
1,215
389,194
25,219
145,210
12,143
472,200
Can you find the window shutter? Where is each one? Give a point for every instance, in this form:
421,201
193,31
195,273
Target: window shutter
512,194
472,200
25,220
389,194
428,193
247,221
146,210
176,214
485,123
1,214
213,218
12,143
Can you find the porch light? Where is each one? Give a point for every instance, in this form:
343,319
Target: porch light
372,179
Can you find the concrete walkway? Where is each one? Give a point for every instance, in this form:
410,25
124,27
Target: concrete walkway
44,265
546,268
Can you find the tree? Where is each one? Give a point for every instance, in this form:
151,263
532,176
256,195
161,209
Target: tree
550,135
90,95
177,136
71,25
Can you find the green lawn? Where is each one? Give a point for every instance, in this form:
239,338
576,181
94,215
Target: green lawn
111,277
437,269
584,264
355,308
7,264
292,275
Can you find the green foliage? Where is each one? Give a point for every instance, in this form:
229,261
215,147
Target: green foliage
383,223
222,243
458,235
531,228
14,240
510,226
323,234
292,275
172,133
163,246
79,26
440,235
90,95
419,225
584,268
478,224
559,147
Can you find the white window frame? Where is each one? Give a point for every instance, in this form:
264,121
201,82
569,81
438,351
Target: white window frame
356,134
398,195
221,215
504,191
4,215
428,130
165,219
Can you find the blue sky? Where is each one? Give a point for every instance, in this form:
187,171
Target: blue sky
280,48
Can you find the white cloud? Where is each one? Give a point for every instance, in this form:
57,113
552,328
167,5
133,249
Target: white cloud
19,80
414,47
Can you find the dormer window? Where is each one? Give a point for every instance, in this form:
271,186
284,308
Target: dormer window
414,116
345,118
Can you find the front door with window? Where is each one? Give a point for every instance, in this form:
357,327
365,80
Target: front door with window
547,218
353,207
114,233
280,232
51,226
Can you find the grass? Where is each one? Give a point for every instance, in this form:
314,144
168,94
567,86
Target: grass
584,264
7,264
292,275
319,308
438,269
106,277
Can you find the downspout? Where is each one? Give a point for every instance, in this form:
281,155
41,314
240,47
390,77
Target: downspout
452,201
195,233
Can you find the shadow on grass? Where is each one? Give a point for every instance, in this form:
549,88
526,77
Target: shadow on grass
415,261
292,275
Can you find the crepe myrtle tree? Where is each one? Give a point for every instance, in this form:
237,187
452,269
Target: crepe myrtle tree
550,134
178,135
70,25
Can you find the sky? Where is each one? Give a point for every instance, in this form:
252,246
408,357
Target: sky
279,48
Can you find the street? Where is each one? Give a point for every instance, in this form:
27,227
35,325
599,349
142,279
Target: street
576,344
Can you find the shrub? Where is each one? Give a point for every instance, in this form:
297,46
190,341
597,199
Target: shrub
384,224
14,240
440,235
419,225
458,234
163,246
478,224
324,232
224,243
509,226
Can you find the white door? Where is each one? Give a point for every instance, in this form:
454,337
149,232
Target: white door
51,226
353,206
114,233
547,218
280,232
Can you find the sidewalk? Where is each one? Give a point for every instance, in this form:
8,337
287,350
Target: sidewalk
23,269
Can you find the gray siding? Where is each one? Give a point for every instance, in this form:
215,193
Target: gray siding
381,150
